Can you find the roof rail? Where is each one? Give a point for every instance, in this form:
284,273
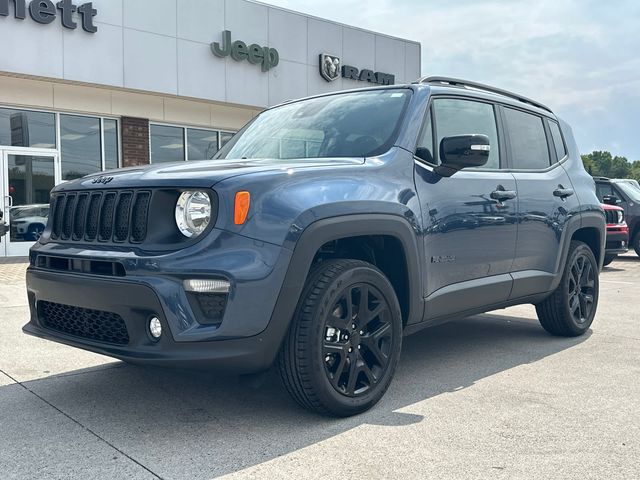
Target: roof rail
456,82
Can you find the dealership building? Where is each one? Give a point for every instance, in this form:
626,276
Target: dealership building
90,86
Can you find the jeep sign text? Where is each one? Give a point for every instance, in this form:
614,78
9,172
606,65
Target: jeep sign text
44,12
239,51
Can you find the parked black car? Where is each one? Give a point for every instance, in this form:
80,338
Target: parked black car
626,195
322,233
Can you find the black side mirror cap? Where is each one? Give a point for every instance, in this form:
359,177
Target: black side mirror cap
611,200
462,151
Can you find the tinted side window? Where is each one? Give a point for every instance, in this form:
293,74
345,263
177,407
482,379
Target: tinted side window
603,189
561,152
424,149
528,141
466,117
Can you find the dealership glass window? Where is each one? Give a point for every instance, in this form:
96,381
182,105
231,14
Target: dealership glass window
225,137
22,128
201,144
80,146
167,144
110,133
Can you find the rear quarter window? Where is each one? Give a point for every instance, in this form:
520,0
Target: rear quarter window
558,143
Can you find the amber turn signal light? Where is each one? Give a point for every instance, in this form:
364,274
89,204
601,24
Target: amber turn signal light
241,209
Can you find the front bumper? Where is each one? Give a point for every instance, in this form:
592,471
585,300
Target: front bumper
246,341
617,240
136,304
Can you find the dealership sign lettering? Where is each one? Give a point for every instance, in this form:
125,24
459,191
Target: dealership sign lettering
330,69
239,51
45,12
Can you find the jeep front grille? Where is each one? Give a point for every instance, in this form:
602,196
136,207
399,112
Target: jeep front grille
612,216
109,216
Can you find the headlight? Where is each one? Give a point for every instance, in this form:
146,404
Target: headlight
620,216
193,213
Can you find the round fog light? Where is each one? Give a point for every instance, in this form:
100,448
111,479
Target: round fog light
155,327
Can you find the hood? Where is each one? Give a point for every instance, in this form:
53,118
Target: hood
203,174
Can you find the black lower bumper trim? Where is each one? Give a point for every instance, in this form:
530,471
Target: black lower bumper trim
136,304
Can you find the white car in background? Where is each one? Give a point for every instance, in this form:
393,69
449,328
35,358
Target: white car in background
28,221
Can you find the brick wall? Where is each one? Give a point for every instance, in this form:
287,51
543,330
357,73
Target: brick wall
135,141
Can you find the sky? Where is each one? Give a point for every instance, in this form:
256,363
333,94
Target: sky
579,57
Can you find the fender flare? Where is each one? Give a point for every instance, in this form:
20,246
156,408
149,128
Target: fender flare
590,219
322,231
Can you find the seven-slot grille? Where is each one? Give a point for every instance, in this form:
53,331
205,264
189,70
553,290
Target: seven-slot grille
100,216
613,216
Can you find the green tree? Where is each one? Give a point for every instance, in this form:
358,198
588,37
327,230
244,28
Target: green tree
635,170
620,167
602,163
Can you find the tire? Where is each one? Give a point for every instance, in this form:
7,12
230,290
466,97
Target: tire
326,364
559,314
636,243
608,259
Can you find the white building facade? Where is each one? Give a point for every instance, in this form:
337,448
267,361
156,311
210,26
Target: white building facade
89,86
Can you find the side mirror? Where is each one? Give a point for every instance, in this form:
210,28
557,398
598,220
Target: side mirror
462,151
611,200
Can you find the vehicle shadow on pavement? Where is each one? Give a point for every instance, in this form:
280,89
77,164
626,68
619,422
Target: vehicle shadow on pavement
195,424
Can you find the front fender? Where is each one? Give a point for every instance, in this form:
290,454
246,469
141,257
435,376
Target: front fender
306,243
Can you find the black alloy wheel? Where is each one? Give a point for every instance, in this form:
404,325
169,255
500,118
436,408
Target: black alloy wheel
344,342
358,336
571,307
581,289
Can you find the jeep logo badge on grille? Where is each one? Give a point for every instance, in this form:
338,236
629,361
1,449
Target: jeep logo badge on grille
102,179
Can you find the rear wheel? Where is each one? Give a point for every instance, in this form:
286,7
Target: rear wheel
344,342
570,309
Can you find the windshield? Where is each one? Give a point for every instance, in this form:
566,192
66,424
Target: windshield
356,124
630,191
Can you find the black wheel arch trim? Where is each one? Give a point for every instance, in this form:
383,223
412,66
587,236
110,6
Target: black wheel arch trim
590,219
322,231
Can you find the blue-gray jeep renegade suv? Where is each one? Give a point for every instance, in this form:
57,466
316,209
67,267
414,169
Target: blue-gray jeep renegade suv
323,232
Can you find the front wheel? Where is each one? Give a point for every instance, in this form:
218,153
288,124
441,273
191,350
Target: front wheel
636,243
570,309
344,342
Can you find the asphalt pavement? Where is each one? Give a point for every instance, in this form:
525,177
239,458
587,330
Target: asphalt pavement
491,396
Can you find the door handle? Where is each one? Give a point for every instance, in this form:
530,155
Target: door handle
562,192
501,194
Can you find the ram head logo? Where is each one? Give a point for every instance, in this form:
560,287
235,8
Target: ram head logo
329,67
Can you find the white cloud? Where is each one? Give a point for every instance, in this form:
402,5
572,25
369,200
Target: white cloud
579,57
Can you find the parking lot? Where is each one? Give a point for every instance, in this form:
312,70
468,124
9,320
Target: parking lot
492,396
